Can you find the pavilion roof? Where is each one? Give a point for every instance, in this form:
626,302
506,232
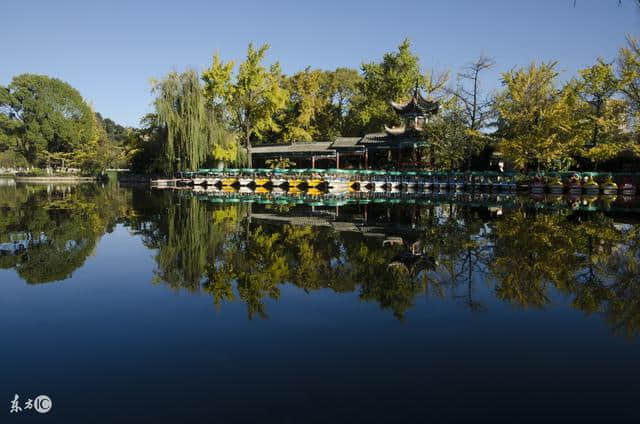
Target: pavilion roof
416,105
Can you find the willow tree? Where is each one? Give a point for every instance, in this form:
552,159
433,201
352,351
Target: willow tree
191,132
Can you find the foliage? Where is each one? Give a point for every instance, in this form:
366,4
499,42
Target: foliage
536,120
190,131
39,114
306,98
252,100
602,117
629,73
391,79
448,138
116,133
280,163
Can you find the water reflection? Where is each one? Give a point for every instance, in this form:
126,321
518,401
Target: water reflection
525,250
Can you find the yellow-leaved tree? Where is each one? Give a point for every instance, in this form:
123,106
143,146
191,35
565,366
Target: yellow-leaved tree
536,119
602,117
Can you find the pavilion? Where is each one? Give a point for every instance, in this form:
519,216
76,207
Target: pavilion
395,145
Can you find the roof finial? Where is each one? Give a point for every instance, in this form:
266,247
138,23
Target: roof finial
417,87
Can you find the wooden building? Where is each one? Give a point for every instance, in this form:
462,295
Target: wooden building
395,146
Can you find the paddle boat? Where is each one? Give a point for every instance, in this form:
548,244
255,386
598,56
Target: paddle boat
229,181
456,182
366,180
410,180
442,182
278,180
336,180
426,180
316,181
555,185
296,182
609,186
574,186
394,180
590,186
263,177
628,189
537,185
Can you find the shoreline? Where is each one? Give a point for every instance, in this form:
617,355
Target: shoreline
54,179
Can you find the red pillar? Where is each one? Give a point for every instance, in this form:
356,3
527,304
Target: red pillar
337,160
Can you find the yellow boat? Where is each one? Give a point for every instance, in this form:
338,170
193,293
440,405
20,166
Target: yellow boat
229,189
262,181
294,190
314,192
261,190
229,181
295,182
609,186
315,182
590,186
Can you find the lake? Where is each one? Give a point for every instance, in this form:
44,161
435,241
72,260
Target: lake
132,304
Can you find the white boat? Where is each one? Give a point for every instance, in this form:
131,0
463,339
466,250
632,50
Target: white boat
338,183
278,181
628,189
245,181
211,181
198,181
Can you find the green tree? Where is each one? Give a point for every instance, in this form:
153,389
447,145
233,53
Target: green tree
306,99
628,62
253,100
341,86
40,114
391,79
628,71
190,130
603,118
448,138
536,120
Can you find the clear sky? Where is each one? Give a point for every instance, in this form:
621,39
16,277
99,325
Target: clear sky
110,49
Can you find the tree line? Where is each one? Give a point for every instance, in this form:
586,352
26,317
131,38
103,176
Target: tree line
201,118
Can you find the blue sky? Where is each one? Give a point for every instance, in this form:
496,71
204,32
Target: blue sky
109,50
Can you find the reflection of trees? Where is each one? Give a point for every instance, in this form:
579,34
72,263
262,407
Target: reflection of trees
586,257
456,240
530,254
215,249
50,232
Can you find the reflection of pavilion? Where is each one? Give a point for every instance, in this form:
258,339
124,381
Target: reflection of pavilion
397,145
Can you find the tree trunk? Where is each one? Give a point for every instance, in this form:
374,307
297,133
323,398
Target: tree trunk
249,161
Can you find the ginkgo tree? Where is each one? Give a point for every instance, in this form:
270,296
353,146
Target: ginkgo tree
536,119
250,102
602,116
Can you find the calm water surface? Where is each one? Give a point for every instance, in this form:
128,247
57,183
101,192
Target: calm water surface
133,305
